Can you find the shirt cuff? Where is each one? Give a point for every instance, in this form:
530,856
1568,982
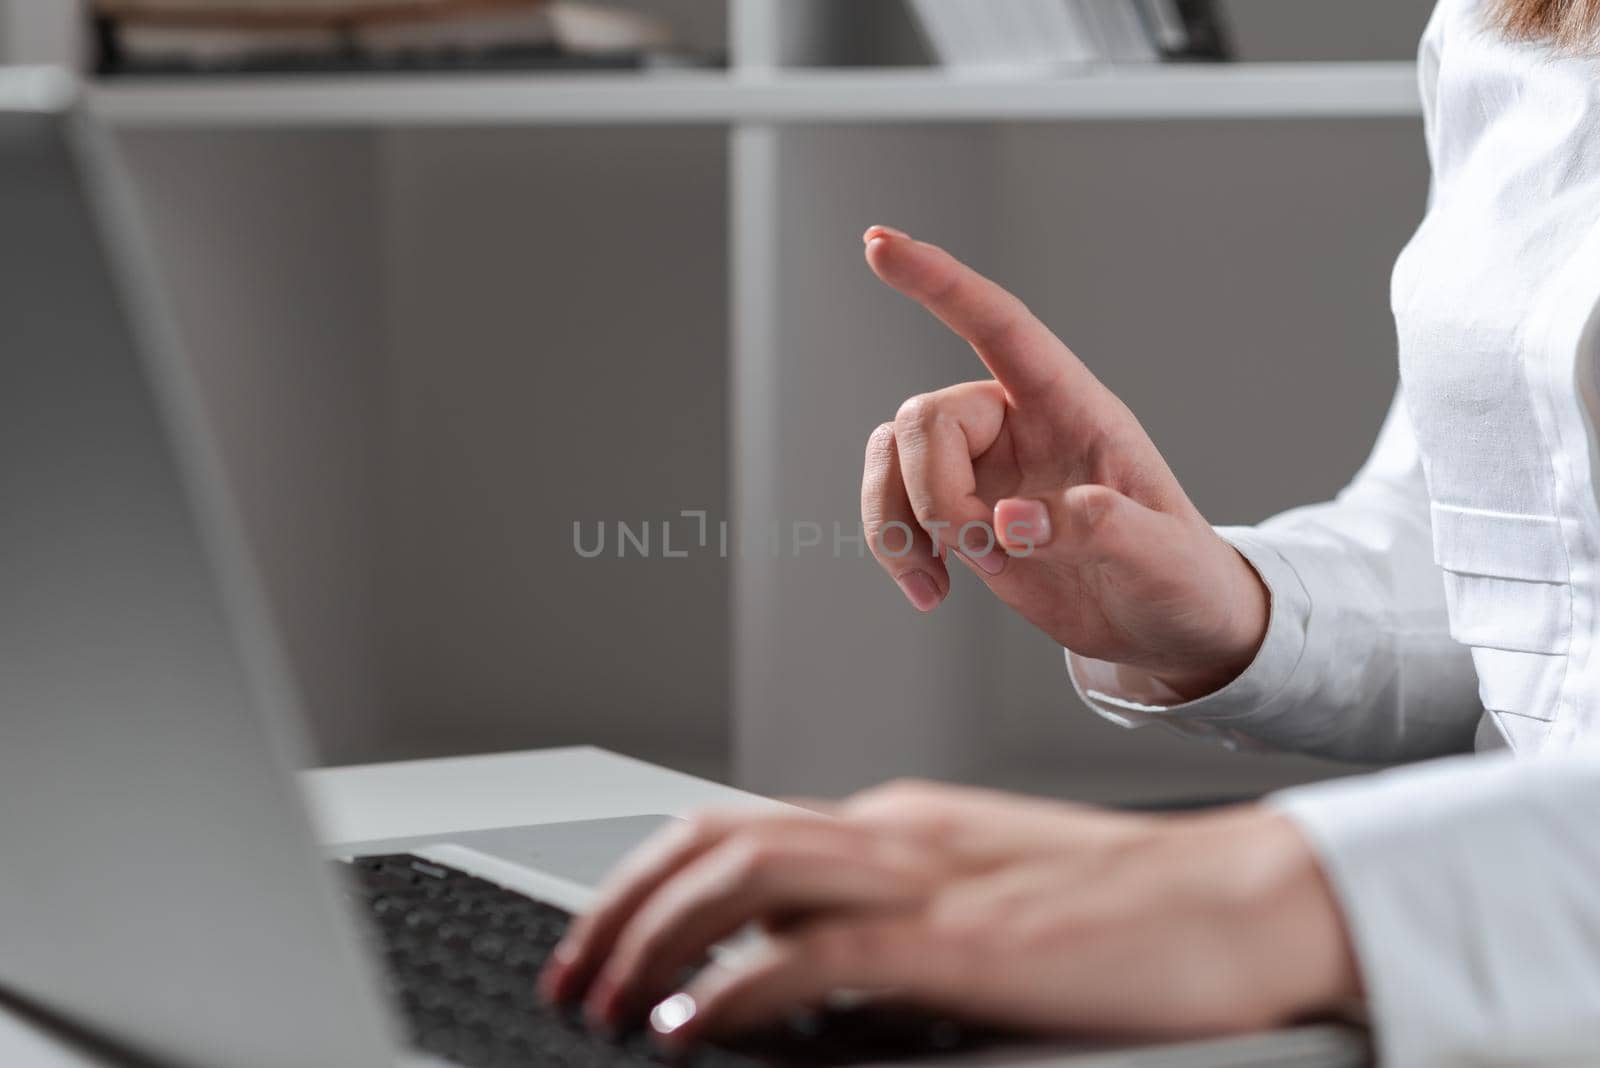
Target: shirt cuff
1465,887
1131,698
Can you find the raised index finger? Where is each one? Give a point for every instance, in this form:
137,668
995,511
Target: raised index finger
1020,351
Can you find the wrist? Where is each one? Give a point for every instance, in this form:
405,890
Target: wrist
1296,957
1239,634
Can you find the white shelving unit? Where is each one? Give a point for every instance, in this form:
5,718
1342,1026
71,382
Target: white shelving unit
1237,91
441,318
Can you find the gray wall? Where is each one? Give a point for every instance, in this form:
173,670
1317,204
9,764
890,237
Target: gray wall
427,355
39,31
556,351
271,245
1316,29
840,682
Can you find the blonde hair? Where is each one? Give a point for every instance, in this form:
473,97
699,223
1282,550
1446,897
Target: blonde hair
1572,24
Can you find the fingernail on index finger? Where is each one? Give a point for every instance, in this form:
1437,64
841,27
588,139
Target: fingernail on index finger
875,232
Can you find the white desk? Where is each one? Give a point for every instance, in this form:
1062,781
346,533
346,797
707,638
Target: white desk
417,797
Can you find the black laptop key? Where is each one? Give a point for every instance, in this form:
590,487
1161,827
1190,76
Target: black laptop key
463,954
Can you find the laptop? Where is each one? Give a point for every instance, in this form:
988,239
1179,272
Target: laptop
161,895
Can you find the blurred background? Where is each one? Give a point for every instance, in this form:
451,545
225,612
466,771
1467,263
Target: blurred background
443,313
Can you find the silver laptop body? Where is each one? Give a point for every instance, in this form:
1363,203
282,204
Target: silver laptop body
159,886
158,881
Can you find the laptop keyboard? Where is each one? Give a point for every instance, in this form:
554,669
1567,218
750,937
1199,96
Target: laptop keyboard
463,955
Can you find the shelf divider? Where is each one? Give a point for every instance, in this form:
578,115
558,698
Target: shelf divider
841,96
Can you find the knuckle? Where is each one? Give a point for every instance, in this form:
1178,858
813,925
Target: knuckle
644,941
703,827
889,542
750,859
926,508
896,796
944,287
875,527
907,788
919,415
698,825
880,445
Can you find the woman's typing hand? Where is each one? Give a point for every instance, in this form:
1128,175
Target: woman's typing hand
1043,482
1034,915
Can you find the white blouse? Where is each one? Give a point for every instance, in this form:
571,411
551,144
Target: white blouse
1447,599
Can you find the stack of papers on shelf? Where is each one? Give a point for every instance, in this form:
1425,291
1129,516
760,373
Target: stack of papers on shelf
279,13
1034,35
579,29
200,36
992,34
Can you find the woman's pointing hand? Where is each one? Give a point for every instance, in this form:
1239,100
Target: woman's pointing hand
1042,481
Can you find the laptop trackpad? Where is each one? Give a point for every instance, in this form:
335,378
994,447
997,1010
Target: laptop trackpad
581,852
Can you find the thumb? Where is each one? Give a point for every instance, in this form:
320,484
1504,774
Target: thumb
1083,525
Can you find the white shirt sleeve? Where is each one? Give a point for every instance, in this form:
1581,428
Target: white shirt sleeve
1468,886
1358,663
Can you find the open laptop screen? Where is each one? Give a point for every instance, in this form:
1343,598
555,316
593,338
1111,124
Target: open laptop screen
158,885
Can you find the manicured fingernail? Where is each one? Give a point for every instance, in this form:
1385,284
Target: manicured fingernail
668,1017
920,590
874,232
1023,525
